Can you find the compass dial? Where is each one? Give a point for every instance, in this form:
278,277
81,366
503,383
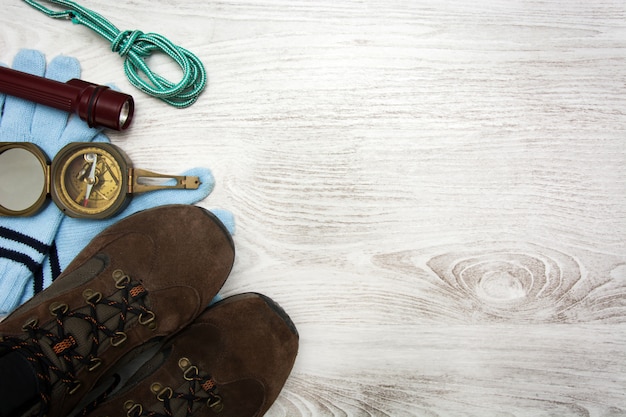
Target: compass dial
90,181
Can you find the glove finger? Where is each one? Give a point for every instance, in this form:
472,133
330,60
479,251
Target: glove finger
18,113
78,131
101,138
178,196
48,123
226,217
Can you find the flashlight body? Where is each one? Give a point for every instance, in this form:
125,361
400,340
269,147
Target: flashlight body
98,105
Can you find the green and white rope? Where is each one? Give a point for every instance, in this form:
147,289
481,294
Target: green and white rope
135,46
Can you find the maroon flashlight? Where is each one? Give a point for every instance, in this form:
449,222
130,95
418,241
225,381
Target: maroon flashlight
98,105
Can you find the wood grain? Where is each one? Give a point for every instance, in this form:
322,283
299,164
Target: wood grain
433,190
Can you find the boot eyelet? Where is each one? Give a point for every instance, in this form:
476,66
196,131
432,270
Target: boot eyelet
215,404
91,296
75,387
156,387
118,339
147,317
94,363
184,363
166,392
120,278
132,408
57,308
31,323
190,373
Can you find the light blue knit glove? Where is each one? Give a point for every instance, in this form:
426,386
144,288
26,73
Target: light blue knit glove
35,250
25,241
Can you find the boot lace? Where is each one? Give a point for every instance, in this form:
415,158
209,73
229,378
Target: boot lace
200,388
75,338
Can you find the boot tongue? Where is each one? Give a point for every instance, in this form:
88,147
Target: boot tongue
18,385
88,271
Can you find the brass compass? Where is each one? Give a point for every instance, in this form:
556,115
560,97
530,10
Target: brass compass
89,180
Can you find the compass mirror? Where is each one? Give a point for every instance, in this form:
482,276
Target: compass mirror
23,179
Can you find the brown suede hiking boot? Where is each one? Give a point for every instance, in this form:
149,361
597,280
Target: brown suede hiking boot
143,278
232,361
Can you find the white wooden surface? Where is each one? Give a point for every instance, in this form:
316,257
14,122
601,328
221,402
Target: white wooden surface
434,190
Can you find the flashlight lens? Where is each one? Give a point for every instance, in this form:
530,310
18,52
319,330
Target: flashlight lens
124,113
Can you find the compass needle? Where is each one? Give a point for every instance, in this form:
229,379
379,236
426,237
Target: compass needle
91,179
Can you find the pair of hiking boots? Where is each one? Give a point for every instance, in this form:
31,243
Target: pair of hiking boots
127,329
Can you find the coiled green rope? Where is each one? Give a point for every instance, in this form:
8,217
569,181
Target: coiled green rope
135,46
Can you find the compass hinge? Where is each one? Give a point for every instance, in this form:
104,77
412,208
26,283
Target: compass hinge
48,180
